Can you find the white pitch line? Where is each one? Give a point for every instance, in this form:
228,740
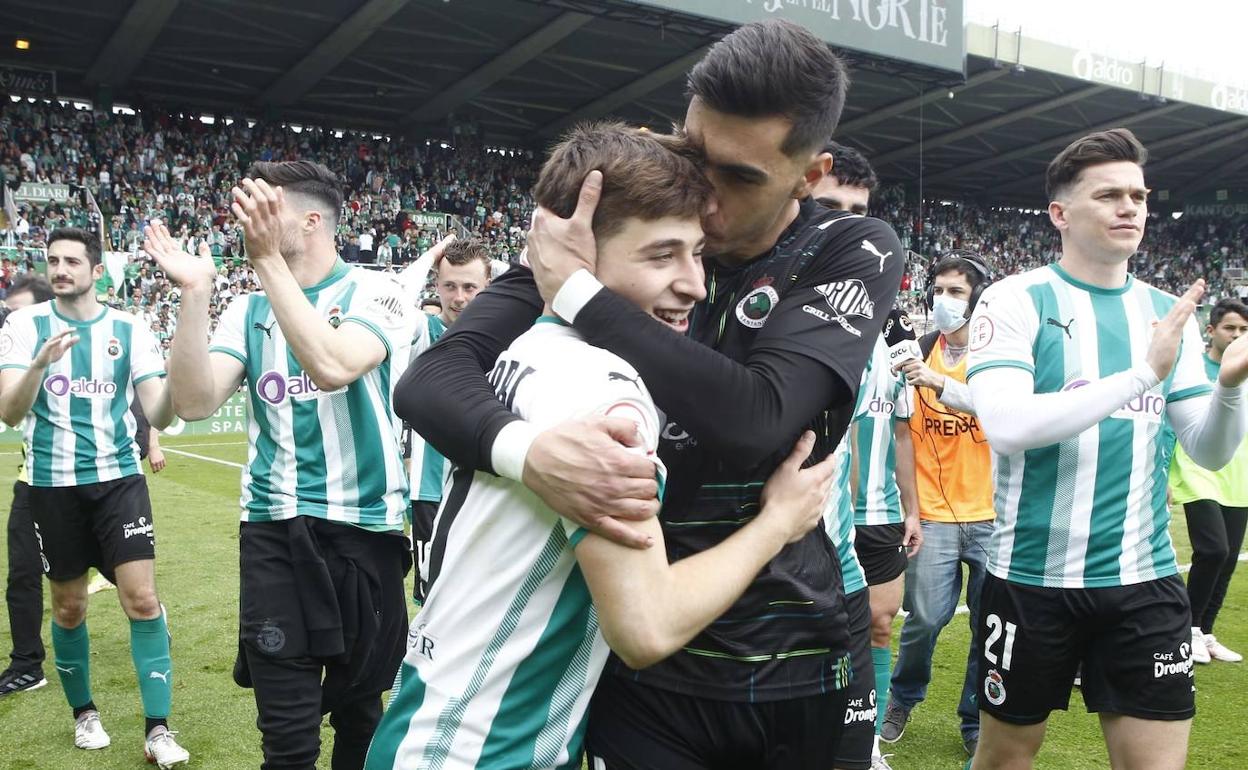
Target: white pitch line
230,463
167,448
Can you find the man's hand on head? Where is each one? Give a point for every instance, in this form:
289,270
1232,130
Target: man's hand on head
258,207
585,470
437,250
559,247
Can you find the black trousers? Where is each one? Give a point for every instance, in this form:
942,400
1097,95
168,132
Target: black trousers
24,591
322,630
289,710
1217,533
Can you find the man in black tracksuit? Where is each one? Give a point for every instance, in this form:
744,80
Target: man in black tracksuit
24,589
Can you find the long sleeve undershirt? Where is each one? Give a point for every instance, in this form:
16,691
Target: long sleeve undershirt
1015,418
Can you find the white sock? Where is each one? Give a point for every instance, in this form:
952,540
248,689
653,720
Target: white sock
875,750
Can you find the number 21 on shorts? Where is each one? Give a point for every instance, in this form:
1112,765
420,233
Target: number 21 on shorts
995,627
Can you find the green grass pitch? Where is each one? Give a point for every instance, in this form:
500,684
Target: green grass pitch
195,504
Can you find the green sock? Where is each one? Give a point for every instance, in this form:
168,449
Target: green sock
882,660
71,648
149,647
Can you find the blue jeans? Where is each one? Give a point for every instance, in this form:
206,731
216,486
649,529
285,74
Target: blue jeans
933,584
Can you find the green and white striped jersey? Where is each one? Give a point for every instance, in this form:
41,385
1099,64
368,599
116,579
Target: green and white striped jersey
886,400
80,430
330,454
429,469
505,653
838,517
1090,511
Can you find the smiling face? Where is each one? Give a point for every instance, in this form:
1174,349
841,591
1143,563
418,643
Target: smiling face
656,265
1101,214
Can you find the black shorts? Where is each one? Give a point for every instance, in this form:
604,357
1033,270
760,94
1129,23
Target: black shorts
1134,643
881,552
423,514
93,525
320,592
636,727
858,720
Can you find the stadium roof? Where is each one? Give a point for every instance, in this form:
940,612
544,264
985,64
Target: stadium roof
522,70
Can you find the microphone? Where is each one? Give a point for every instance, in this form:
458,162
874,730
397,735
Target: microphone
899,338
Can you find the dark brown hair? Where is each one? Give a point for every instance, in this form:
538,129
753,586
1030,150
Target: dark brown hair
770,68
644,175
38,286
78,235
851,168
305,177
1116,144
463,251
1224,306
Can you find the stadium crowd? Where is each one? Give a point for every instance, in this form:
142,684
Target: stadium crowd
911,503
176,168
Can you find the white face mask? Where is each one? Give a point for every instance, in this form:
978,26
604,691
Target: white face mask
948,313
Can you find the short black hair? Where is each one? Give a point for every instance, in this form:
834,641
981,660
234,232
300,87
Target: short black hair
963,262
34,283
305,177
1116,144
78,235
775,67
851,168
1226,306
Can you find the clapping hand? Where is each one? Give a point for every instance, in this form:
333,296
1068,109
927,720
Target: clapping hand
187,271
259,208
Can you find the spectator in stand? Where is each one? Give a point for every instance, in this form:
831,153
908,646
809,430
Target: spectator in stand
367,256
178,169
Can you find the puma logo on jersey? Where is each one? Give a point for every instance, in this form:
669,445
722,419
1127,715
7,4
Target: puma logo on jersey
870,248
268,330
157,675
1063,326
617,377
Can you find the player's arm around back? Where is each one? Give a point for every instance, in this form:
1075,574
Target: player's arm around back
797,367
648,609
